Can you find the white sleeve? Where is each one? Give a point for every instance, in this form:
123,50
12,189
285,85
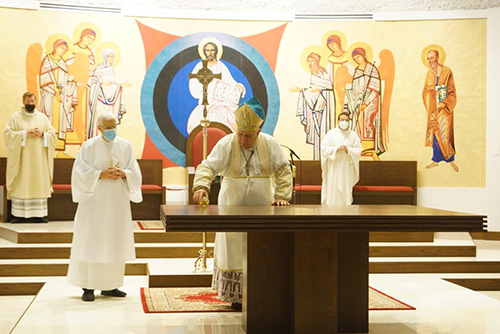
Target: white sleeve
84,177
218,159
133,177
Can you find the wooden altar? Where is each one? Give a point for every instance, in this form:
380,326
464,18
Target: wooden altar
306,266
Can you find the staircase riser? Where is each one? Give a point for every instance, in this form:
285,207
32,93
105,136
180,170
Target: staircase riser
433,267
64,253
140,237
423,251
192,252
25,270
401,236
477,284
20,289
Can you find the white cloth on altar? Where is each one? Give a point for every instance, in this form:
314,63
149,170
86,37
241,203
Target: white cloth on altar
103,223
340,170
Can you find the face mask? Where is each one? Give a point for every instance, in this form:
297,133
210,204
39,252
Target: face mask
29,107
343,125
110,134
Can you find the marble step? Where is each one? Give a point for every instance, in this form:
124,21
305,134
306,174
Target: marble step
179,272
203,279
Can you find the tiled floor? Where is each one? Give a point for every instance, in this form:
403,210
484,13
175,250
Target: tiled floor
442,307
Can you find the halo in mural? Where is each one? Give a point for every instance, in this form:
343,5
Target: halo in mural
86,25
368,49
220,48
49,44
313,49
108,45
343,39
438,48
166,102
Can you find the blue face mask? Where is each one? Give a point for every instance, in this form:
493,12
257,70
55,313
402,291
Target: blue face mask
110,134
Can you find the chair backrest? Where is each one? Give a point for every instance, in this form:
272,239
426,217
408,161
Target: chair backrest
194,143
3,171
152,171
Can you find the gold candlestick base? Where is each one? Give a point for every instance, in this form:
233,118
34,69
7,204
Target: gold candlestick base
201,261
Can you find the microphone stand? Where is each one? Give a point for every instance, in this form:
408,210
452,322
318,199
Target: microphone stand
292,165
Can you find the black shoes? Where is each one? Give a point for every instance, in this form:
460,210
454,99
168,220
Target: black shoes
114,293
236,306
88,295
17,220
35,220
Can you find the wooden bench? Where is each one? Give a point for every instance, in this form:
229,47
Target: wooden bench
380,182
61,206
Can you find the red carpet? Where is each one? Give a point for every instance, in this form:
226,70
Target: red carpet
178,300
151,226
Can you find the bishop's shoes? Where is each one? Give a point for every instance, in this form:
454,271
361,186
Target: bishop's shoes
88,294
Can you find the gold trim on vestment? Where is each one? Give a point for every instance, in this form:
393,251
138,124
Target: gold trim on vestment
228,270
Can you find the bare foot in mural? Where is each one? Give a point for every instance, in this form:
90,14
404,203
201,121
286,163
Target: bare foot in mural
432,165
455,167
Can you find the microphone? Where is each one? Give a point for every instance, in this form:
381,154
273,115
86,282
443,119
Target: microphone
292,152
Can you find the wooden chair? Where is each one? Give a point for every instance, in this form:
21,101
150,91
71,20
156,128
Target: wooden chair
194,154
61,206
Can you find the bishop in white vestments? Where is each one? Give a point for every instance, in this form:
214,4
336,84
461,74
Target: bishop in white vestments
105,178
255,172
340,152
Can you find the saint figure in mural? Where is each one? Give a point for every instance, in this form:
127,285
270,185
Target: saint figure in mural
439,97
363,102
104,93
223,94
315,104
58,92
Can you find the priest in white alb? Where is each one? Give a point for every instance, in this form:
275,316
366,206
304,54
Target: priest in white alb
255,172
340,152
30,140
105,178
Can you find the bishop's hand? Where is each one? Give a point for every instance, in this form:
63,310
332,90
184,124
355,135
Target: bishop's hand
199,195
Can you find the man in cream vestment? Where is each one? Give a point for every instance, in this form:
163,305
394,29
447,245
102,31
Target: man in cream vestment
340,152
30,140
249,162
105,178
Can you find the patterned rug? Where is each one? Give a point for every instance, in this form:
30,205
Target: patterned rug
178,300
151,225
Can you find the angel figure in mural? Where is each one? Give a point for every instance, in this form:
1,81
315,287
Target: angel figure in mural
223,94
105,93
338,67
315,102
363,99
47,76
58,92
82,65
440,98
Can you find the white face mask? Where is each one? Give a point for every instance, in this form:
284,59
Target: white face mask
343,125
